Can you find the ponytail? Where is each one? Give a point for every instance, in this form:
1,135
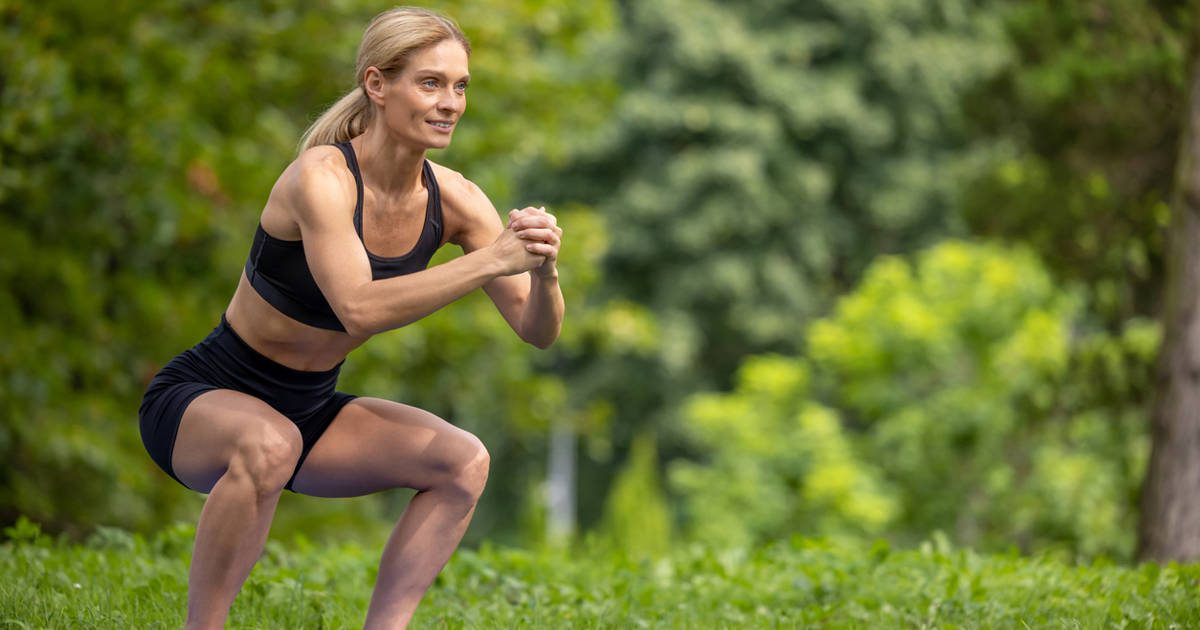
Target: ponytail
346,119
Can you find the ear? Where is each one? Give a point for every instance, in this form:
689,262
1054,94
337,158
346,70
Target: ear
374,83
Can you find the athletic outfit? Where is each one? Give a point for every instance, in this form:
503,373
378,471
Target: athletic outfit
279,273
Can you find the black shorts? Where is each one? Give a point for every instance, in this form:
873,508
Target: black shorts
224,361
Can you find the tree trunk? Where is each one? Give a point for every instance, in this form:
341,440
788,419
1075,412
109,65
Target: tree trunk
1170,518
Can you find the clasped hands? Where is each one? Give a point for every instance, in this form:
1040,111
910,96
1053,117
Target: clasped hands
539,232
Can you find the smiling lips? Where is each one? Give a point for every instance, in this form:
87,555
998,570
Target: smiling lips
444,125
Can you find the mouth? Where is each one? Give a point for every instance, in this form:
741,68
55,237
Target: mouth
444,125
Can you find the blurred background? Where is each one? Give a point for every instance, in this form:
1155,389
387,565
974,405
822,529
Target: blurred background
853,270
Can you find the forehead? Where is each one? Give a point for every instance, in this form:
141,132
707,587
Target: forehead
447,57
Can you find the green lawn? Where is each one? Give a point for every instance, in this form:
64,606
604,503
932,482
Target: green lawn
117,580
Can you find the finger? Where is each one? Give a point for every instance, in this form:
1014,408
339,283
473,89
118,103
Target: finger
542,249
538,234
536,211
541,212
533,221
534,229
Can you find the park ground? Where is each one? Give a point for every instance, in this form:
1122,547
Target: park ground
119,580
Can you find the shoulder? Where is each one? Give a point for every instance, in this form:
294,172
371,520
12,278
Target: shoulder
317,181
458,192
465,206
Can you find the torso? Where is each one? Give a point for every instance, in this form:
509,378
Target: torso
391,227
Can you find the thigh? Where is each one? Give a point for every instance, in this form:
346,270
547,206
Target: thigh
212,428
374,444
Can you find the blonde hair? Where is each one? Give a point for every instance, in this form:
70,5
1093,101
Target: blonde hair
388,43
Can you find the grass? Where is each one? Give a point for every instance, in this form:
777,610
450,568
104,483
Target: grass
119,580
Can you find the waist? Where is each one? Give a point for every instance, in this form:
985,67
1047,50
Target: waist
281,338
231,339
224,360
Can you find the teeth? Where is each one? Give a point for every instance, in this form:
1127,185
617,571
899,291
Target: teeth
443,125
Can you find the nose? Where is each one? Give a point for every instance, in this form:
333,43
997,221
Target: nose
450,101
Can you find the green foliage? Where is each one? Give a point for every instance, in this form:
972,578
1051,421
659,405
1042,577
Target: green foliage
960,395
636,518
962,315
774,463
123,580
1086,118
971,389
761,154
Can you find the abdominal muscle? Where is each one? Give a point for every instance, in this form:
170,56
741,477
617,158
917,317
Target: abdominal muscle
283,339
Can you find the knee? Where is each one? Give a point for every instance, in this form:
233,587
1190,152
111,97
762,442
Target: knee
266,459
469,473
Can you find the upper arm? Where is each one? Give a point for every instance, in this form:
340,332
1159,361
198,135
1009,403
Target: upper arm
477,224
321,198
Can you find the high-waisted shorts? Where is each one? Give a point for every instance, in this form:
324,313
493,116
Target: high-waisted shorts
224,361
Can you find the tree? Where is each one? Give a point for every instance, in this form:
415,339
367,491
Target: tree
985,403
1085,121
953,392
1170,523
758,157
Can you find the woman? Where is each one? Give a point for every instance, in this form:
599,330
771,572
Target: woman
341,254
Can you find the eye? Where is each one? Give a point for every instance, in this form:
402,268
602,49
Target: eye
460,87
429,83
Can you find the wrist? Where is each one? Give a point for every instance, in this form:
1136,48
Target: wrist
492,262
546,275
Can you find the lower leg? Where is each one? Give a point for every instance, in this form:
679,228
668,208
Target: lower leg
374,445
230,537
420,545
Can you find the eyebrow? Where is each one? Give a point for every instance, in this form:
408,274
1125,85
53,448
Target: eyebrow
439,73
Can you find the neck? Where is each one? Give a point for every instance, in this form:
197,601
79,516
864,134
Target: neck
390,167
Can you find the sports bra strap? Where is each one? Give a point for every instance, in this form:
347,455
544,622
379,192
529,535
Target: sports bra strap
352,162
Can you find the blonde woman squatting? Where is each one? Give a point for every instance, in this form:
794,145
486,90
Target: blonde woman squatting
341,253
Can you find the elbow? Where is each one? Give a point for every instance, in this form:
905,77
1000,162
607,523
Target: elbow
356,329
542,341
540,333
355,320
361,320
541,344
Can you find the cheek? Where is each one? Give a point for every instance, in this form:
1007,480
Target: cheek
404,104
406,114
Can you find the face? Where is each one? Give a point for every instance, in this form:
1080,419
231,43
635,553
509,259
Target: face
422,105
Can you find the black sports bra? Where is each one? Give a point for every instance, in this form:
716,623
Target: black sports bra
278,270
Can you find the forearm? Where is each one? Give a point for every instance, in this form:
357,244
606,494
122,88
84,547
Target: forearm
541,319
394,302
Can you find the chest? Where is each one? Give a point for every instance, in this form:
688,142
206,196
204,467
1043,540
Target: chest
391,227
